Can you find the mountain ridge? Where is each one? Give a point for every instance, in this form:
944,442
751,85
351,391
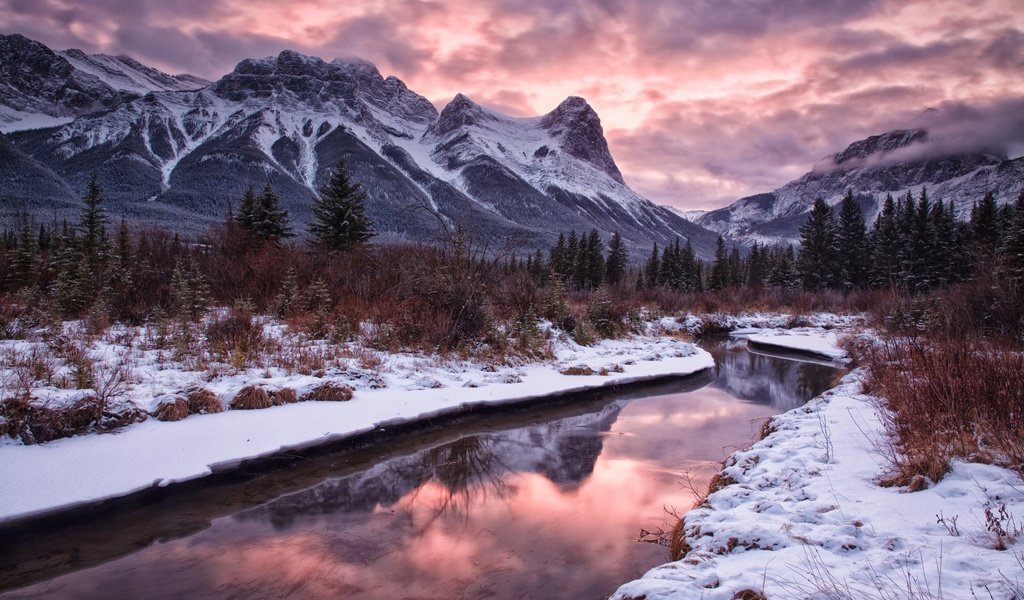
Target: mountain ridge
178,156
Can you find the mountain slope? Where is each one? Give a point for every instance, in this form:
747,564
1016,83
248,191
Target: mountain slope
289,119
42,88
894,163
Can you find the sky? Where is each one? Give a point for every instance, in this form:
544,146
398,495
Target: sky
702,101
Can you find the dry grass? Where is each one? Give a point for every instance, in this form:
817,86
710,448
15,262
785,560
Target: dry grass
36,424
948,398
174,409
251,397
283,396
202,401
578,370
329,392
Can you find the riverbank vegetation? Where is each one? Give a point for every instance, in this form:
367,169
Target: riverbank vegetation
251,294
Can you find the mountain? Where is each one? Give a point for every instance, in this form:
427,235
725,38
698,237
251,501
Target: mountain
894,163
175,157
40,87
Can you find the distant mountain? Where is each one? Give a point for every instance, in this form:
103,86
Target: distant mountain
175,156
894,162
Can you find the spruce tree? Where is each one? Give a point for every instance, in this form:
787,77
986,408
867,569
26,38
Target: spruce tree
615,266
984,227
720,267
817,261
885,246
246,217
22,269
270,221
339,212
851,245
1012,254
652,268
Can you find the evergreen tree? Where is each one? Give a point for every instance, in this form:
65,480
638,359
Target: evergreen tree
339,212
851,245
246,218
720,267
22,270
270,222
615,267
690,269
93,224
595,264
757,267
652,268
885,246
817,260
190,295
984,227
1012,255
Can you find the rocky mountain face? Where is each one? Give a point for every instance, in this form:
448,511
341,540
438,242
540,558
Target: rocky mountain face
894,163
175,157
40,87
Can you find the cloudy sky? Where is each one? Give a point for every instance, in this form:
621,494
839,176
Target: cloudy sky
703,101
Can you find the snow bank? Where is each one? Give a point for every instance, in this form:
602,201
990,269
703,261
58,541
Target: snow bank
69,472
815,341
805,519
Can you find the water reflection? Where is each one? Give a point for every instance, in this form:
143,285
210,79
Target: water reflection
544,508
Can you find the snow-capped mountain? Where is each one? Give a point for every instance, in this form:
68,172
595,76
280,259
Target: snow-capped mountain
176,157
894,163
41,88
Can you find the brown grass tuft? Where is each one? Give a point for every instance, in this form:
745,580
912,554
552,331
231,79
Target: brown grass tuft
283,396
749,595
677,545
719,481
251,397
329,392
38,424
202,401
174,409
578,370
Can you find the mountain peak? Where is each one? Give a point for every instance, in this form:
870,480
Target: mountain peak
576,123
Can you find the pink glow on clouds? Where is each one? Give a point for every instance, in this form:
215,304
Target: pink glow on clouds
702,102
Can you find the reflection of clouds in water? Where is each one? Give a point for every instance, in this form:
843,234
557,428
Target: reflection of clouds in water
547,510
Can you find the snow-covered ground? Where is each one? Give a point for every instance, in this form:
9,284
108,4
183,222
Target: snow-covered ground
806,518
389,389
808,340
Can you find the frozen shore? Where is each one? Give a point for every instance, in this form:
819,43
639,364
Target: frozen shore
800,515
65,473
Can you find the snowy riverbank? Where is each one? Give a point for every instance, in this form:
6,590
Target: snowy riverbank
39,479
800,515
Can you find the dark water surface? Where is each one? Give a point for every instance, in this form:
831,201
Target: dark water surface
536,503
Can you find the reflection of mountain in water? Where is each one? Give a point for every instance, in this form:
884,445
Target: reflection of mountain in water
783,384
565,451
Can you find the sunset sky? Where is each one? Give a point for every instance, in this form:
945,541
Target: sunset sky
703,102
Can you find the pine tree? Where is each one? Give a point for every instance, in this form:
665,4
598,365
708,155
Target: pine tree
756,267
1012,254
339,212
246,218
720,267
984,227
652,268
271,222
190,295
22,270
885,246
615,267
595,260
851,245
817,261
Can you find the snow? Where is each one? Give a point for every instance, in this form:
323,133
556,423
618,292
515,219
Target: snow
400,388
814,341
807,519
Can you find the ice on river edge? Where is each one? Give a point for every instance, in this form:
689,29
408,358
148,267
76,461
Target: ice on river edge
806,519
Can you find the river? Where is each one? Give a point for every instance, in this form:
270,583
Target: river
540,502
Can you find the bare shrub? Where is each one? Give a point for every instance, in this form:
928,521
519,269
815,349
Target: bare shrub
202,401
949,398
174,408
251,397
329,392
236,337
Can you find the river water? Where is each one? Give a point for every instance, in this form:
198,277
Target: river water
544,502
